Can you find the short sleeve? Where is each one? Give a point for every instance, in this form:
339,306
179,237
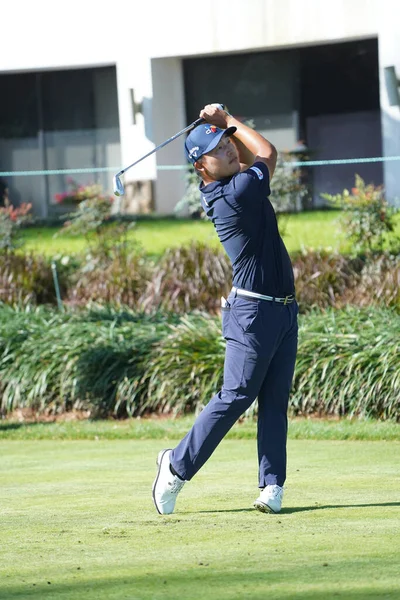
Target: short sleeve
252,181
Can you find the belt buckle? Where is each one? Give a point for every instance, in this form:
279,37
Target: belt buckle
287,298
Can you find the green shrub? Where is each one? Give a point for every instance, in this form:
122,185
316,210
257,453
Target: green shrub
63,361
11,221
367,218
192,356
128,363
348,364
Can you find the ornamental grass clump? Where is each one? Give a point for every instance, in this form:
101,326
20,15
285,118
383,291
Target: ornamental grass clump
127,363
187,278
348,364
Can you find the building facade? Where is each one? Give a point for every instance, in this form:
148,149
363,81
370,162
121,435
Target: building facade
98,87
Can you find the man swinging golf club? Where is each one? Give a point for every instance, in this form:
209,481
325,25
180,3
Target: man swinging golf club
259,317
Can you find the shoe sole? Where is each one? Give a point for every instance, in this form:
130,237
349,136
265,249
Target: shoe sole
158,463
264,508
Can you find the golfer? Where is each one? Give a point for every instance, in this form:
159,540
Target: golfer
259,317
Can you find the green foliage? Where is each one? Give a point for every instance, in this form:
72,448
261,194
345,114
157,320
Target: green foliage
192,355
129,363
115,269
348,364
106,236
11,221
90,216
367,218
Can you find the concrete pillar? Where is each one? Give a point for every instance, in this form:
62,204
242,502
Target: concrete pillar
389,54
168,110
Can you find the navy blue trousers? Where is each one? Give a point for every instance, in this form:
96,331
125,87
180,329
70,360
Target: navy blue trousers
261,347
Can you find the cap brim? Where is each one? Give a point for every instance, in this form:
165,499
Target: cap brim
229,131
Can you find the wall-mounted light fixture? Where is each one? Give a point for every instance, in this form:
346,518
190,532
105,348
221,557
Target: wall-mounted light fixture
392,86
137,107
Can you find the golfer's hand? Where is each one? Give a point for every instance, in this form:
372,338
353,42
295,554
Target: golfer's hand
215,116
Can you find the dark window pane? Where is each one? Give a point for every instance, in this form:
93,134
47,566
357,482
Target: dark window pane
253,84
18,106
68,100
340,78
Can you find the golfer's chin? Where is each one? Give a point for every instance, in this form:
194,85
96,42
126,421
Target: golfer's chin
231,169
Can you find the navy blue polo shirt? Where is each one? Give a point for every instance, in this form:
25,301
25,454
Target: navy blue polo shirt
246,225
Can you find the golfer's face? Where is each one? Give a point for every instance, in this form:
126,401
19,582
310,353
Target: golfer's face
223,161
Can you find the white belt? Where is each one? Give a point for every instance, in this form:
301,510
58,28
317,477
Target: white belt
285,300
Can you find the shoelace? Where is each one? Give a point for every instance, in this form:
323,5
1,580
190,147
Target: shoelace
275,492
176,486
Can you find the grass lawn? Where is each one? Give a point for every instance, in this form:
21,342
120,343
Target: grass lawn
77,521
315,229
157,428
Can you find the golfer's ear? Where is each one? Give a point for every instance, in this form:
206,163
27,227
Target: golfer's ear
198,166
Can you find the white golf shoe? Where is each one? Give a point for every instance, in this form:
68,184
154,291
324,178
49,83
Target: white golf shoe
270,499
166,486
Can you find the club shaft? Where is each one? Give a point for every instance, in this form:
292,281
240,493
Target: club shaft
171,139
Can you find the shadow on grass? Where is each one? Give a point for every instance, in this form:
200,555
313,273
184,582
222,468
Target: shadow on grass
288,511
201,581
11,426
25,425
232,510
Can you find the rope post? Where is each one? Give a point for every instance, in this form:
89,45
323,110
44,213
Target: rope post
56,286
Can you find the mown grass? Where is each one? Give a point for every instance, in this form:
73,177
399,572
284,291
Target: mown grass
77,520
154,428
317,229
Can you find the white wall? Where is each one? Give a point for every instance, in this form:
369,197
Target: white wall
36,35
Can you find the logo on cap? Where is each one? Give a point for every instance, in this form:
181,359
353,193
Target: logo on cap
211,129
193,151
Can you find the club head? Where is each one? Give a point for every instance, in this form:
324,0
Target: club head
118,186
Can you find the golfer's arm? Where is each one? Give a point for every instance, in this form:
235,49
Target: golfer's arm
252,146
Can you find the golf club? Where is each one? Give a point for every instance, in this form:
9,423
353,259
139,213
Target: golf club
117,183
